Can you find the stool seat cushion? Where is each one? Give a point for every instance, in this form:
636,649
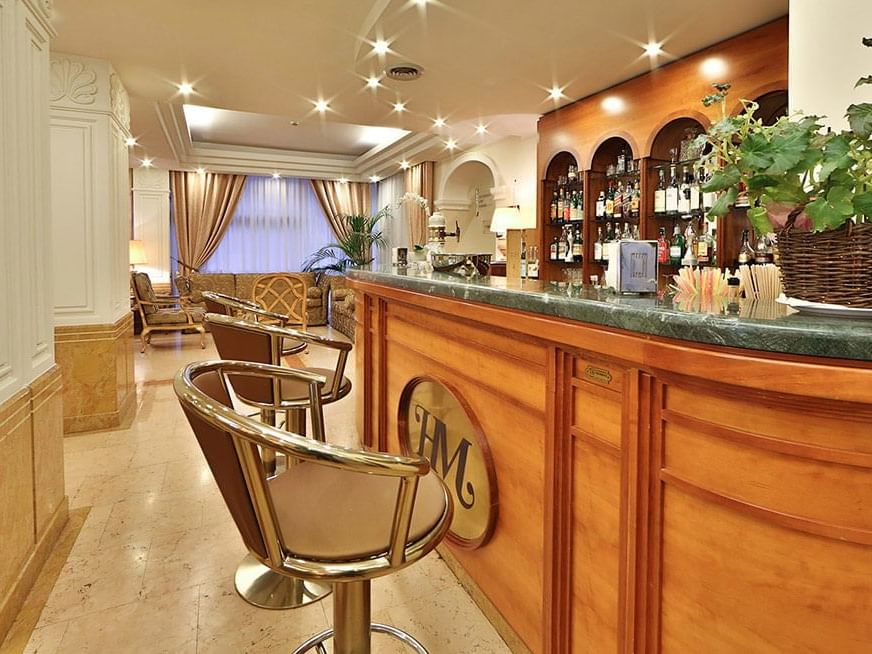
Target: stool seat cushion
297,389
328,514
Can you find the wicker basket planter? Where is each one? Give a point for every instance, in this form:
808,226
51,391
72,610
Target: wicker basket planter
834,267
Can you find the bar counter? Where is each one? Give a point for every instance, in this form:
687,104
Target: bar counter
664,479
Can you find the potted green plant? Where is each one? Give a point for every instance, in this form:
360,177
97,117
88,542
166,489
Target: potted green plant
353,248
809,186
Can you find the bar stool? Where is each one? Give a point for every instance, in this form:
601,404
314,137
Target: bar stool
245,340
341,516
227,305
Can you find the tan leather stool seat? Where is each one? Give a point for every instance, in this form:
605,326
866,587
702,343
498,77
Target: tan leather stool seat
328,514
297,389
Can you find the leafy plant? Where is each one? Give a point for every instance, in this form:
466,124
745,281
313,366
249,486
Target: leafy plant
354,248
792,170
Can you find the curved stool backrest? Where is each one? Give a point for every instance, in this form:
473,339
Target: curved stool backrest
283,293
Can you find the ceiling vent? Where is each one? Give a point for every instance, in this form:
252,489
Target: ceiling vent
403,72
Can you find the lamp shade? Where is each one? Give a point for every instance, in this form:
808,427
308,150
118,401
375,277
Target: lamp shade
506,218
137,253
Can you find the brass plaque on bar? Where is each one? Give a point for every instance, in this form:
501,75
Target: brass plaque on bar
435,424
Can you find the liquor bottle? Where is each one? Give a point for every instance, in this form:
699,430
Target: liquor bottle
713,243
690,241
695,193
703,246
746,252
523,259
621,168
610,201
763,250
570,242
672,192
635,200
618,205
581,204
684,194
554,206
552,250
601,205
533,262
610,236
572,173
573,206
567,206
561,200
577,245
676,248
636,233
598,245
660,194
662,247
561,246
626,234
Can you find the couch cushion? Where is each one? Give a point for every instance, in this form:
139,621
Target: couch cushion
145,291
220,282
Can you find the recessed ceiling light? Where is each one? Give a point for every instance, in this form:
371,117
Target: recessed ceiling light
480,128
613,104
438,122
373,82
322,106
147,163
713,67
555,93
653,49
374,178
343,180
381,47
451,144
276,176
404,164
399,107
130,141
185,88
201,171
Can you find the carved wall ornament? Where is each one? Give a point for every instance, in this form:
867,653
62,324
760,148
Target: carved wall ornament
73,80
119,100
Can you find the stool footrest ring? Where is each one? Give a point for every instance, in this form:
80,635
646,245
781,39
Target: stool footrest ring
375,627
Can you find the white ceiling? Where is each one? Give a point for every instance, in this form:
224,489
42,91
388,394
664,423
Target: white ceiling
265,63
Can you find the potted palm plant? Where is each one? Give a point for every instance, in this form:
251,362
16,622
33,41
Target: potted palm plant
354,247
811,187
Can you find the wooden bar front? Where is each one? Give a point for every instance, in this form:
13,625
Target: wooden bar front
654,495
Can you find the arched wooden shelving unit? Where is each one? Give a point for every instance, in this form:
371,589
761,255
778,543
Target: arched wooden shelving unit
558,167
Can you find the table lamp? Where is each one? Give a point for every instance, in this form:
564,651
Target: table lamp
512,221
137,254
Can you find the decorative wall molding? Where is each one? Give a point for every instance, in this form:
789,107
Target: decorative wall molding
119,100
151,179
72,80
42,11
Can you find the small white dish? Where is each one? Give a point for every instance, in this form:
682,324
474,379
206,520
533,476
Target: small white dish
827,310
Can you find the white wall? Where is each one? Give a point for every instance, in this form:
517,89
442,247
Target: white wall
26,330
512,162
151,220
826,56
90,191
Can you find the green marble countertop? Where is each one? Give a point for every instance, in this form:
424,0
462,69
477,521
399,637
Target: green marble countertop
764,326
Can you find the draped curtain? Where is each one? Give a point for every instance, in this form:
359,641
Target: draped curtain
420,180
203,206
396,227
337,200
278,224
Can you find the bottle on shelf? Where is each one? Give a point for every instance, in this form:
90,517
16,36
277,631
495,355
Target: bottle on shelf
684,194
567,206
672,192
690,241
746,252
571,173
713,241
659,194
561,203
569,236
637,234
676,247
598,245
621,168
554,204
635,200
626,234
601,205
577,245
763,250
610,200
662,247
580,199
610,236
695,193
533,262
573,206
552,249
523,259
703,245
561,246
618,204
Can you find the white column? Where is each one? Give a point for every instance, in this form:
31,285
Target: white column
827,57
151,220
26,330
90,191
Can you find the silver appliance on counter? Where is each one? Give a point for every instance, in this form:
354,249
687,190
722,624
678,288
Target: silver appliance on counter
632,266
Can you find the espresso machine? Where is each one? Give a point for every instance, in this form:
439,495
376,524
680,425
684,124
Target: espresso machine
436,233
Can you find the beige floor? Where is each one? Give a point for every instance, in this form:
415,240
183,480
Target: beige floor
152,568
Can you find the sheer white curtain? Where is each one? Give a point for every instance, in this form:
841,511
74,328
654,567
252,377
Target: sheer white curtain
277,225
396,228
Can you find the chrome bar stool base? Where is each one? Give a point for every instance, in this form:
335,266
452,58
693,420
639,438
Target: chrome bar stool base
259,585
317,640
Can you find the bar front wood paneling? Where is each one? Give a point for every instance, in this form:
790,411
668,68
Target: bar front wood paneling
654,495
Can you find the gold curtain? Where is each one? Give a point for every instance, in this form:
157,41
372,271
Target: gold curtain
420,180
337,200
203,204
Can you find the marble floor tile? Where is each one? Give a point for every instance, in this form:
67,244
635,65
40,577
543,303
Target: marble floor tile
136,521
47,640
107,486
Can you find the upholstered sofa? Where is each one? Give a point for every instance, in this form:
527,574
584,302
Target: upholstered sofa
241,285
341,307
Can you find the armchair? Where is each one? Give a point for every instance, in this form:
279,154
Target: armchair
164,313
